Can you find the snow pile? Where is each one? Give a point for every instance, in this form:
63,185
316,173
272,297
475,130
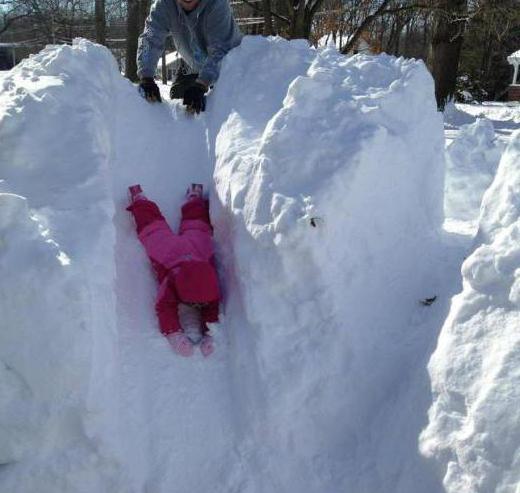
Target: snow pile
473,432
58,336
326,181
329,212
471,162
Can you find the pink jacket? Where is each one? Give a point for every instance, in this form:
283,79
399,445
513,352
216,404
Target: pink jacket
183,263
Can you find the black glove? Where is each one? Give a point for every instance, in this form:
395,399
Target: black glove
194,97
149,90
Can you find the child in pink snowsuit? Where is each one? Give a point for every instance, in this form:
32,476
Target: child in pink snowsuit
188,294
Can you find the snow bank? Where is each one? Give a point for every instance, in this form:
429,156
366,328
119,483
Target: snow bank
471,162
58,338
473,431
330,204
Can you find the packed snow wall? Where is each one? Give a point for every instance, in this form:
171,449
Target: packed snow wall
473,433
330,204
58,351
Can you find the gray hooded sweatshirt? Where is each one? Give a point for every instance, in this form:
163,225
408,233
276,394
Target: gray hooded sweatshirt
202,37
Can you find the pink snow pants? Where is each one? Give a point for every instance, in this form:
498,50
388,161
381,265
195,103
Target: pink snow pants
184,262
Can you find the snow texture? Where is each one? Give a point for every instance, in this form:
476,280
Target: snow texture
473,428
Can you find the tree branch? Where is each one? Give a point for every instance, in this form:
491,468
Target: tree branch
274,14
366,22
315,6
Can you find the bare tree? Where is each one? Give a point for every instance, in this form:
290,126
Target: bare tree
301,14
100,22
492,34
132,36
53,21
378,11
10,18
296,16
268,18
450,21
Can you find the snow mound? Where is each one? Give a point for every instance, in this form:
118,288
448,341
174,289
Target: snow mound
471,163
473,431
326,181
58,338
328,209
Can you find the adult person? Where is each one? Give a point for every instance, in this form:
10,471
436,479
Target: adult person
203,31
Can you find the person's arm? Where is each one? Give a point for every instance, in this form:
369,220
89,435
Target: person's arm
151,41
222,34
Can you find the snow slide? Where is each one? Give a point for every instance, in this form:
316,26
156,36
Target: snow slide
325,176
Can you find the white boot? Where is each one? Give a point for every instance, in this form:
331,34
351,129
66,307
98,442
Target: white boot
190,319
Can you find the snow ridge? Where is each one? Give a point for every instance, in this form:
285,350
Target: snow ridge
323,198
473,432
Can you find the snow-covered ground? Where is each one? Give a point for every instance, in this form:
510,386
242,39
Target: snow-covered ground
326,182
471,160
505,118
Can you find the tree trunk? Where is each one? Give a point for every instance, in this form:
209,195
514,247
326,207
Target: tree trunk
132,35
144,9
363,26
100,22
164,73
399,25
390,46
300,23
448,29
268,20
426,35
137,13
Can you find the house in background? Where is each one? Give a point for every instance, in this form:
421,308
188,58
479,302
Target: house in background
8,57
173,61
514,89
